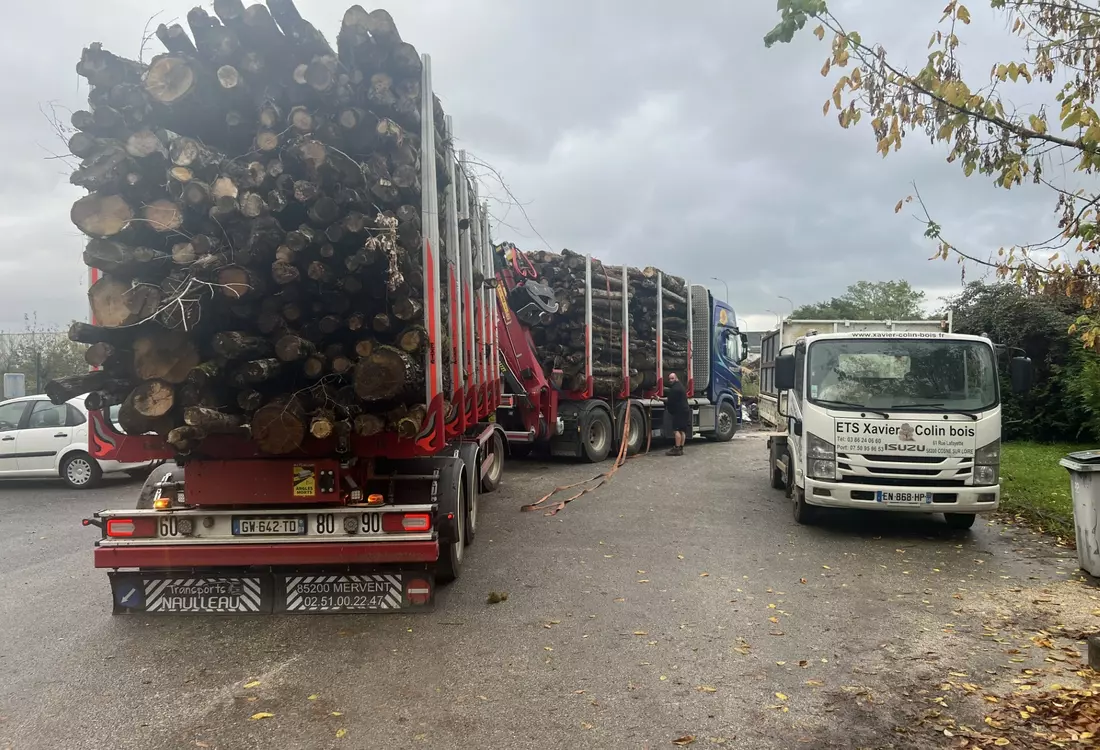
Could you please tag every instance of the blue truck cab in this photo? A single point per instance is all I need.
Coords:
(718, 348)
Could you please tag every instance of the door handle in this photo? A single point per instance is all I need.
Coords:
(62, 434)
(9, 438)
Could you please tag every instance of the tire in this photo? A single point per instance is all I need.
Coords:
(725, 423)
(495, 448)
(80, 471)
(596, 436)
(453, 552)
(960, 521)
(636, 432)
(804, 513)
(778, 482)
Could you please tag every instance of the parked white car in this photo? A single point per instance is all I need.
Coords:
(40, 439)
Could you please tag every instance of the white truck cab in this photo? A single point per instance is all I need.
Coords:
(891, 420)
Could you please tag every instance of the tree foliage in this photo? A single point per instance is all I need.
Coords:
(40, 354)
(971, 116)
(1064, 405)
(869, 300)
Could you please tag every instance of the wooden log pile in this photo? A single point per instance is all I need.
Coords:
(562, 344)
(254, 207)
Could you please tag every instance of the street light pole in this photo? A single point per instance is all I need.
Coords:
(788, 302)
(727, 286)
(777, 317)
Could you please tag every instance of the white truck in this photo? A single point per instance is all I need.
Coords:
(904, 420)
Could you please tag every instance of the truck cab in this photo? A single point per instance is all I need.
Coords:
(895, 421)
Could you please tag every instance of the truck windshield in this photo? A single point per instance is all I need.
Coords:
(915, 374)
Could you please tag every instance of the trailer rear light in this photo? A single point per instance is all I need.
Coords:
(401, 523)
(418, 591)
(162, 503)
(375, 499)
(131, 527)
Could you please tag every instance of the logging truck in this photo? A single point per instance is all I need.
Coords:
(296, 513)
(579, 382)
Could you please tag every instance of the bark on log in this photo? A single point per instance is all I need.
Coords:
(211, 420)
(61, 390)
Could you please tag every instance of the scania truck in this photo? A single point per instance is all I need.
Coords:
(891, 420)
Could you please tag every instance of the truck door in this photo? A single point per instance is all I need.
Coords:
(795, 407)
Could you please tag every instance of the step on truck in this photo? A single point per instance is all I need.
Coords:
(346, 523)
(894, 420)
(535, 410)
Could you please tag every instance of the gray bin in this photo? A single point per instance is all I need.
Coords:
(1084, 478)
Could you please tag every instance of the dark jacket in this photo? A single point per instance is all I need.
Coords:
(677, 400)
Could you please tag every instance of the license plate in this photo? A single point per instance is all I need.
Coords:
(904, 498)
(349, 593)
(277, 526)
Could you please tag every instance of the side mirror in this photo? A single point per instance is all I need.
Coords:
(744, 346)
(1020, 372)
(784, 372)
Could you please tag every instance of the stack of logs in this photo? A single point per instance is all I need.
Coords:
(254, 207)
(561, 345)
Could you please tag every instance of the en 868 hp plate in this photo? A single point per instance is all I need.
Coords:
(354, 593)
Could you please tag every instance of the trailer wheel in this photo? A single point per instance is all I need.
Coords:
(494, 447)
(452, 552)
(725, 426)
(635, 434)
(596, 436)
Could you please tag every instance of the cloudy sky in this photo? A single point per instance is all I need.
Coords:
(625, 128)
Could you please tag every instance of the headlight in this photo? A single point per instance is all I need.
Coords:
(821, 469)
(986, 474)
(818, 448)
(987, 464)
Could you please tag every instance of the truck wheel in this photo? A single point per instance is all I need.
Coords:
(778, 482)
(960, 521)
(725, 423)
(494, 447)
(804, 513)
(635, 434)
(452, 552)
(80, 471)
(596, 436)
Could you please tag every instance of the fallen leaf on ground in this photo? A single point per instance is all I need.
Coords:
(336, 713)
(640, 632)
(773, 620)
(340, 733)
(826, 567)
(252, 684)
(313, 697)
(684, 741)
(679, 557)
(803, 663)
(496, 597)
(780, 663)
(707, 689)
(586, 725)
(781, 696)
(802, 580)
(814, 683)
(704, 575)
(261, 715)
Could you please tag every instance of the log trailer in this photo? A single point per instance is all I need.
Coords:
(535, 411)
(346, 523)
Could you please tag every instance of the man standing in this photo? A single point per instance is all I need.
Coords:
(679, 411)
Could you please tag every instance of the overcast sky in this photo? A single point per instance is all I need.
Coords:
(641, 131)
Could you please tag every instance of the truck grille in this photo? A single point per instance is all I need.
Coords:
(934, 471)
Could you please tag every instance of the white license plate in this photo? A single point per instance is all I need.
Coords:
(286, 525)
(904, 498)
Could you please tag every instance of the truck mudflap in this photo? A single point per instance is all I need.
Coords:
(265, 592)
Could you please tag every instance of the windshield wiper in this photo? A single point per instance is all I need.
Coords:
(850, 405)
(899, 407)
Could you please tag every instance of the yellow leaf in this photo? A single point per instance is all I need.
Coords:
(684, 741)
(261, 715)
(771, 606)
(313, 697)
(586, 725)
(640, 632)
(819, 32)
(252, 684)
(679, 557)
(340, 733)
(773, 620)
(704, 575)
(707, 689)
(963, 14)
(780, 663)
(781, 696)
(826, 567)
(826, 68)
(825, 108)
(814, 683)
(664, 677)
(991, 699)
(1001, 742)
(336, 713)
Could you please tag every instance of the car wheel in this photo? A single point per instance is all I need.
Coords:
(961, 521)
(80, 471)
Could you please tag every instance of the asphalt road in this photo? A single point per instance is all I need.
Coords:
(679, 601)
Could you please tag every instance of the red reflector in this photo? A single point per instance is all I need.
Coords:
(402, 523)
(418, 591)
(131, 527)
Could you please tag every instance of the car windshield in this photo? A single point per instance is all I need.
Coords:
(915, 374)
